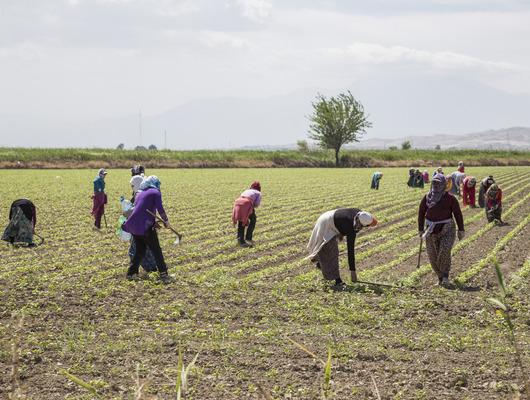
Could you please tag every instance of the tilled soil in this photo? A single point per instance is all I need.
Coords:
(81, 316)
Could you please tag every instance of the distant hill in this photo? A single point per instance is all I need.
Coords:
(421, 106)
(516, 138)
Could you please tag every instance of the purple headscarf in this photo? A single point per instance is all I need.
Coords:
(437, 190)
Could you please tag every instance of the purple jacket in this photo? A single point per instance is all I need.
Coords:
(140, 220)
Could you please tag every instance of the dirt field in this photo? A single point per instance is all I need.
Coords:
(66, 306)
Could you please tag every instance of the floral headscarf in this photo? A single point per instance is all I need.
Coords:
(150, 182)
(437, 190)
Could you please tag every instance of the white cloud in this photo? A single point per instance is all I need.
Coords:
(223, 39)
(255, 10)
(372, 53)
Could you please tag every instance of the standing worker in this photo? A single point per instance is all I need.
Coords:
(437, 209)
(329, 229)
(468, 191)
(148, 262)
(494, 204)
(99, 198)
(484, 186)
(461, 167)
(438, 170)
(376, 178)
(244, 214)
(142, 226)
(138, 176)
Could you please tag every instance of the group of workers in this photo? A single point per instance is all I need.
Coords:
(439, 216)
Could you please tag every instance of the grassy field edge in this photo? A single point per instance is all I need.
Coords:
(27, 158)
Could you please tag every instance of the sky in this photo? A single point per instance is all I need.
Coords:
(74, 62)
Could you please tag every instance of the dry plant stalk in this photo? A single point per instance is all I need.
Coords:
(16, 391)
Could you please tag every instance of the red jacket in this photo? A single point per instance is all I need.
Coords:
(495, 202)
(468, 193)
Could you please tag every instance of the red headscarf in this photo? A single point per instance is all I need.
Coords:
(256, 186)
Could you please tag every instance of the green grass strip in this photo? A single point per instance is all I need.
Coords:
(476, 268)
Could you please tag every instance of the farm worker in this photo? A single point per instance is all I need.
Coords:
(439, 170)
(99, 198)
(148, 262)
(484, 186)
(468, 191)
(461, 167)
(494, 204)
(138, 175)
(456, 180)
(141, 225)
(410, 182)
(437, 209)
(323, 245)
(244, 214)
(425, 176)
(376, 178)
(418, 179)
(22, 221)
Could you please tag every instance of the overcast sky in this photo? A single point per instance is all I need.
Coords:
(84, 60)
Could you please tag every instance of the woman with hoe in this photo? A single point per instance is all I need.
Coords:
(330, 228)
(141, 225)
(437, 209)
(99, 198)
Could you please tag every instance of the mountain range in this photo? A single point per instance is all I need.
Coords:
(428, 110)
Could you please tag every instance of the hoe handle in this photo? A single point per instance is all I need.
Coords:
(419, 253)
(161, 220)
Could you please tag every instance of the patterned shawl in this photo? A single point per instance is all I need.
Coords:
(437, 190)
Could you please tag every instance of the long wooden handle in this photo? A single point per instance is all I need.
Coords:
(161, 220)
(419, 253)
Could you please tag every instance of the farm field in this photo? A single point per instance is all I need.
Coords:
(66, 306)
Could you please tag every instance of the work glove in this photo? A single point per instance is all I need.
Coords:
(461, 235)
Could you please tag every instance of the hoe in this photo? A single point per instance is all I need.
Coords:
(179, 236)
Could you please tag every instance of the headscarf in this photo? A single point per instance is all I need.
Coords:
(256, 186)
(436, 191)
(136, 182)
(102, 172)
(471, 182)
(150, 182)
(492, 191)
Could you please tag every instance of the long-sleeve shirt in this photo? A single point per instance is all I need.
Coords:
(344, 219)
(446, 208)
(99, 184)
(140, 220)
(496, 201)
(254, 195)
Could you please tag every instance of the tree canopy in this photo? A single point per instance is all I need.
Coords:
(337, 121)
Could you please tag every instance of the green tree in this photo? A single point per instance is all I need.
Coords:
(302, 145)
(406, 145)
(337, 121)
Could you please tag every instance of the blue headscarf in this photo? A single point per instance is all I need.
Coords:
(150, 182)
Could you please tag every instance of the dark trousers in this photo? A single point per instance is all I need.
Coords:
(142, 243)
(98, 216)
(250, 229)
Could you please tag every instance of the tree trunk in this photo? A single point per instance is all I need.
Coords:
(337, 162)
